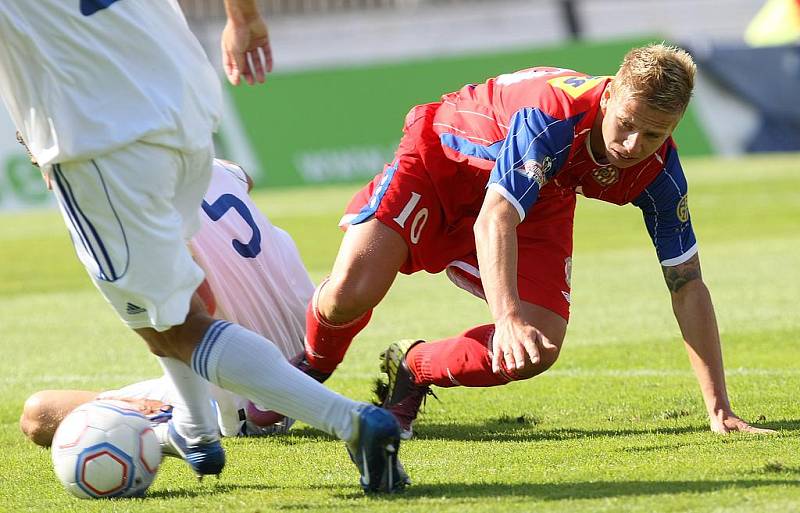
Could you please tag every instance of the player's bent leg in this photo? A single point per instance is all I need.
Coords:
(466, 360)
(44, 411)
(366, 266)
(552, 326)
(412, 366)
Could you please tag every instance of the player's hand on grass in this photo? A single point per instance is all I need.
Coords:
(724, 422)
(517, 344)
(246, 51)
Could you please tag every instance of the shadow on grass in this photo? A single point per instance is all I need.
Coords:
(496, 431)
(505, 430)
(539, 491)
(780, 425)
(578, 490)
(204, 490)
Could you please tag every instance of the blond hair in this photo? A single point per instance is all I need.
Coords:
(660, 74)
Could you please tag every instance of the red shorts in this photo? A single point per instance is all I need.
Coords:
(432, 202)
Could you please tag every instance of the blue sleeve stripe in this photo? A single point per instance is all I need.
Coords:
(524, 155)
(466, 147)
(510, 197)
(655, 220)
(689, 253)
(666, 215)
(370, 208)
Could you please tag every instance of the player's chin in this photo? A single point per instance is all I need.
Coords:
(622, 163)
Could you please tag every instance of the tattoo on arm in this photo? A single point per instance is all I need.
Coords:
(679, 275)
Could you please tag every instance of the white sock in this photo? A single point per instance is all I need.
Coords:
(250, 365)
(193, 413)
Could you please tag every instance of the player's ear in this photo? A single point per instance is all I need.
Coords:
(605, 97)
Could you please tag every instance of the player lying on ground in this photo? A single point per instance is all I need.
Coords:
(484, 185)
(125, 132)
(254, 277)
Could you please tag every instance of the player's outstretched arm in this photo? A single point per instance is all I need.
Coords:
(691, 303)
(246, 51)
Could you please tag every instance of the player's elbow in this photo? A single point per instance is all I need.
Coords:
(485, 222)
(33, 421)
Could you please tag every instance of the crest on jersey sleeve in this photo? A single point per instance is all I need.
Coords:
(537, 171)
(682, 209)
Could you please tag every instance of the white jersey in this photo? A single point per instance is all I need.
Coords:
(256, 276)
(255, 273)
(82, 78)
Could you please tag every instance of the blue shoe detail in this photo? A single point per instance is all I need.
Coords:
(374, 450)
(163, 415)
(205, 459)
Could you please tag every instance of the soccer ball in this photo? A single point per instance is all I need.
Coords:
(106, 449)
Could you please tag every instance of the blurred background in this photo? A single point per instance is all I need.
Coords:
(347, 71)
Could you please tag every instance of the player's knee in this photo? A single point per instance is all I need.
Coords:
(33, 421)
(346, 300)
(178, 341)
(547, 358)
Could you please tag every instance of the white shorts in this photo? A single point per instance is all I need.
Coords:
(130, 214)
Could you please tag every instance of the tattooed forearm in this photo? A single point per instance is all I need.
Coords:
(679, 275)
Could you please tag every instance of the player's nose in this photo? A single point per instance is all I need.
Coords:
(632, 143)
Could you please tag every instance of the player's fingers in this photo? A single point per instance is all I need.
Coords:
(532, 349)
(518, 351)
(760, 431)
(239, 65)
(227, 65)
(261, 65)
(495, 361)
(744, 427)
(266, 50)
(509, 359)
(249, 72)
(545, 343)
(231, 68)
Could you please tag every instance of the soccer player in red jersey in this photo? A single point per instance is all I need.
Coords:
(484, 185)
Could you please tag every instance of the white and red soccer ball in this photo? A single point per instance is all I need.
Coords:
(106, 449)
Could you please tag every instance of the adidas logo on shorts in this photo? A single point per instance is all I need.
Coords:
(134, 309)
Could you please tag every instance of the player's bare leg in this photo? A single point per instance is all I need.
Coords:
(44, 411)
(366, 266)
(368, 262)
(465, 360)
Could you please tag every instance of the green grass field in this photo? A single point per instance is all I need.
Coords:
(617, 425)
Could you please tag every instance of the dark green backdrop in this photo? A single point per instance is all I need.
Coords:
(340, 125)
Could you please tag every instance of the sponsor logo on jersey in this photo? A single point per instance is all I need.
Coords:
(575, 85)
(606, 176)
(683, 209)
(537, 171)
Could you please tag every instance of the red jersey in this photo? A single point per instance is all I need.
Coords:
(527, 133)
